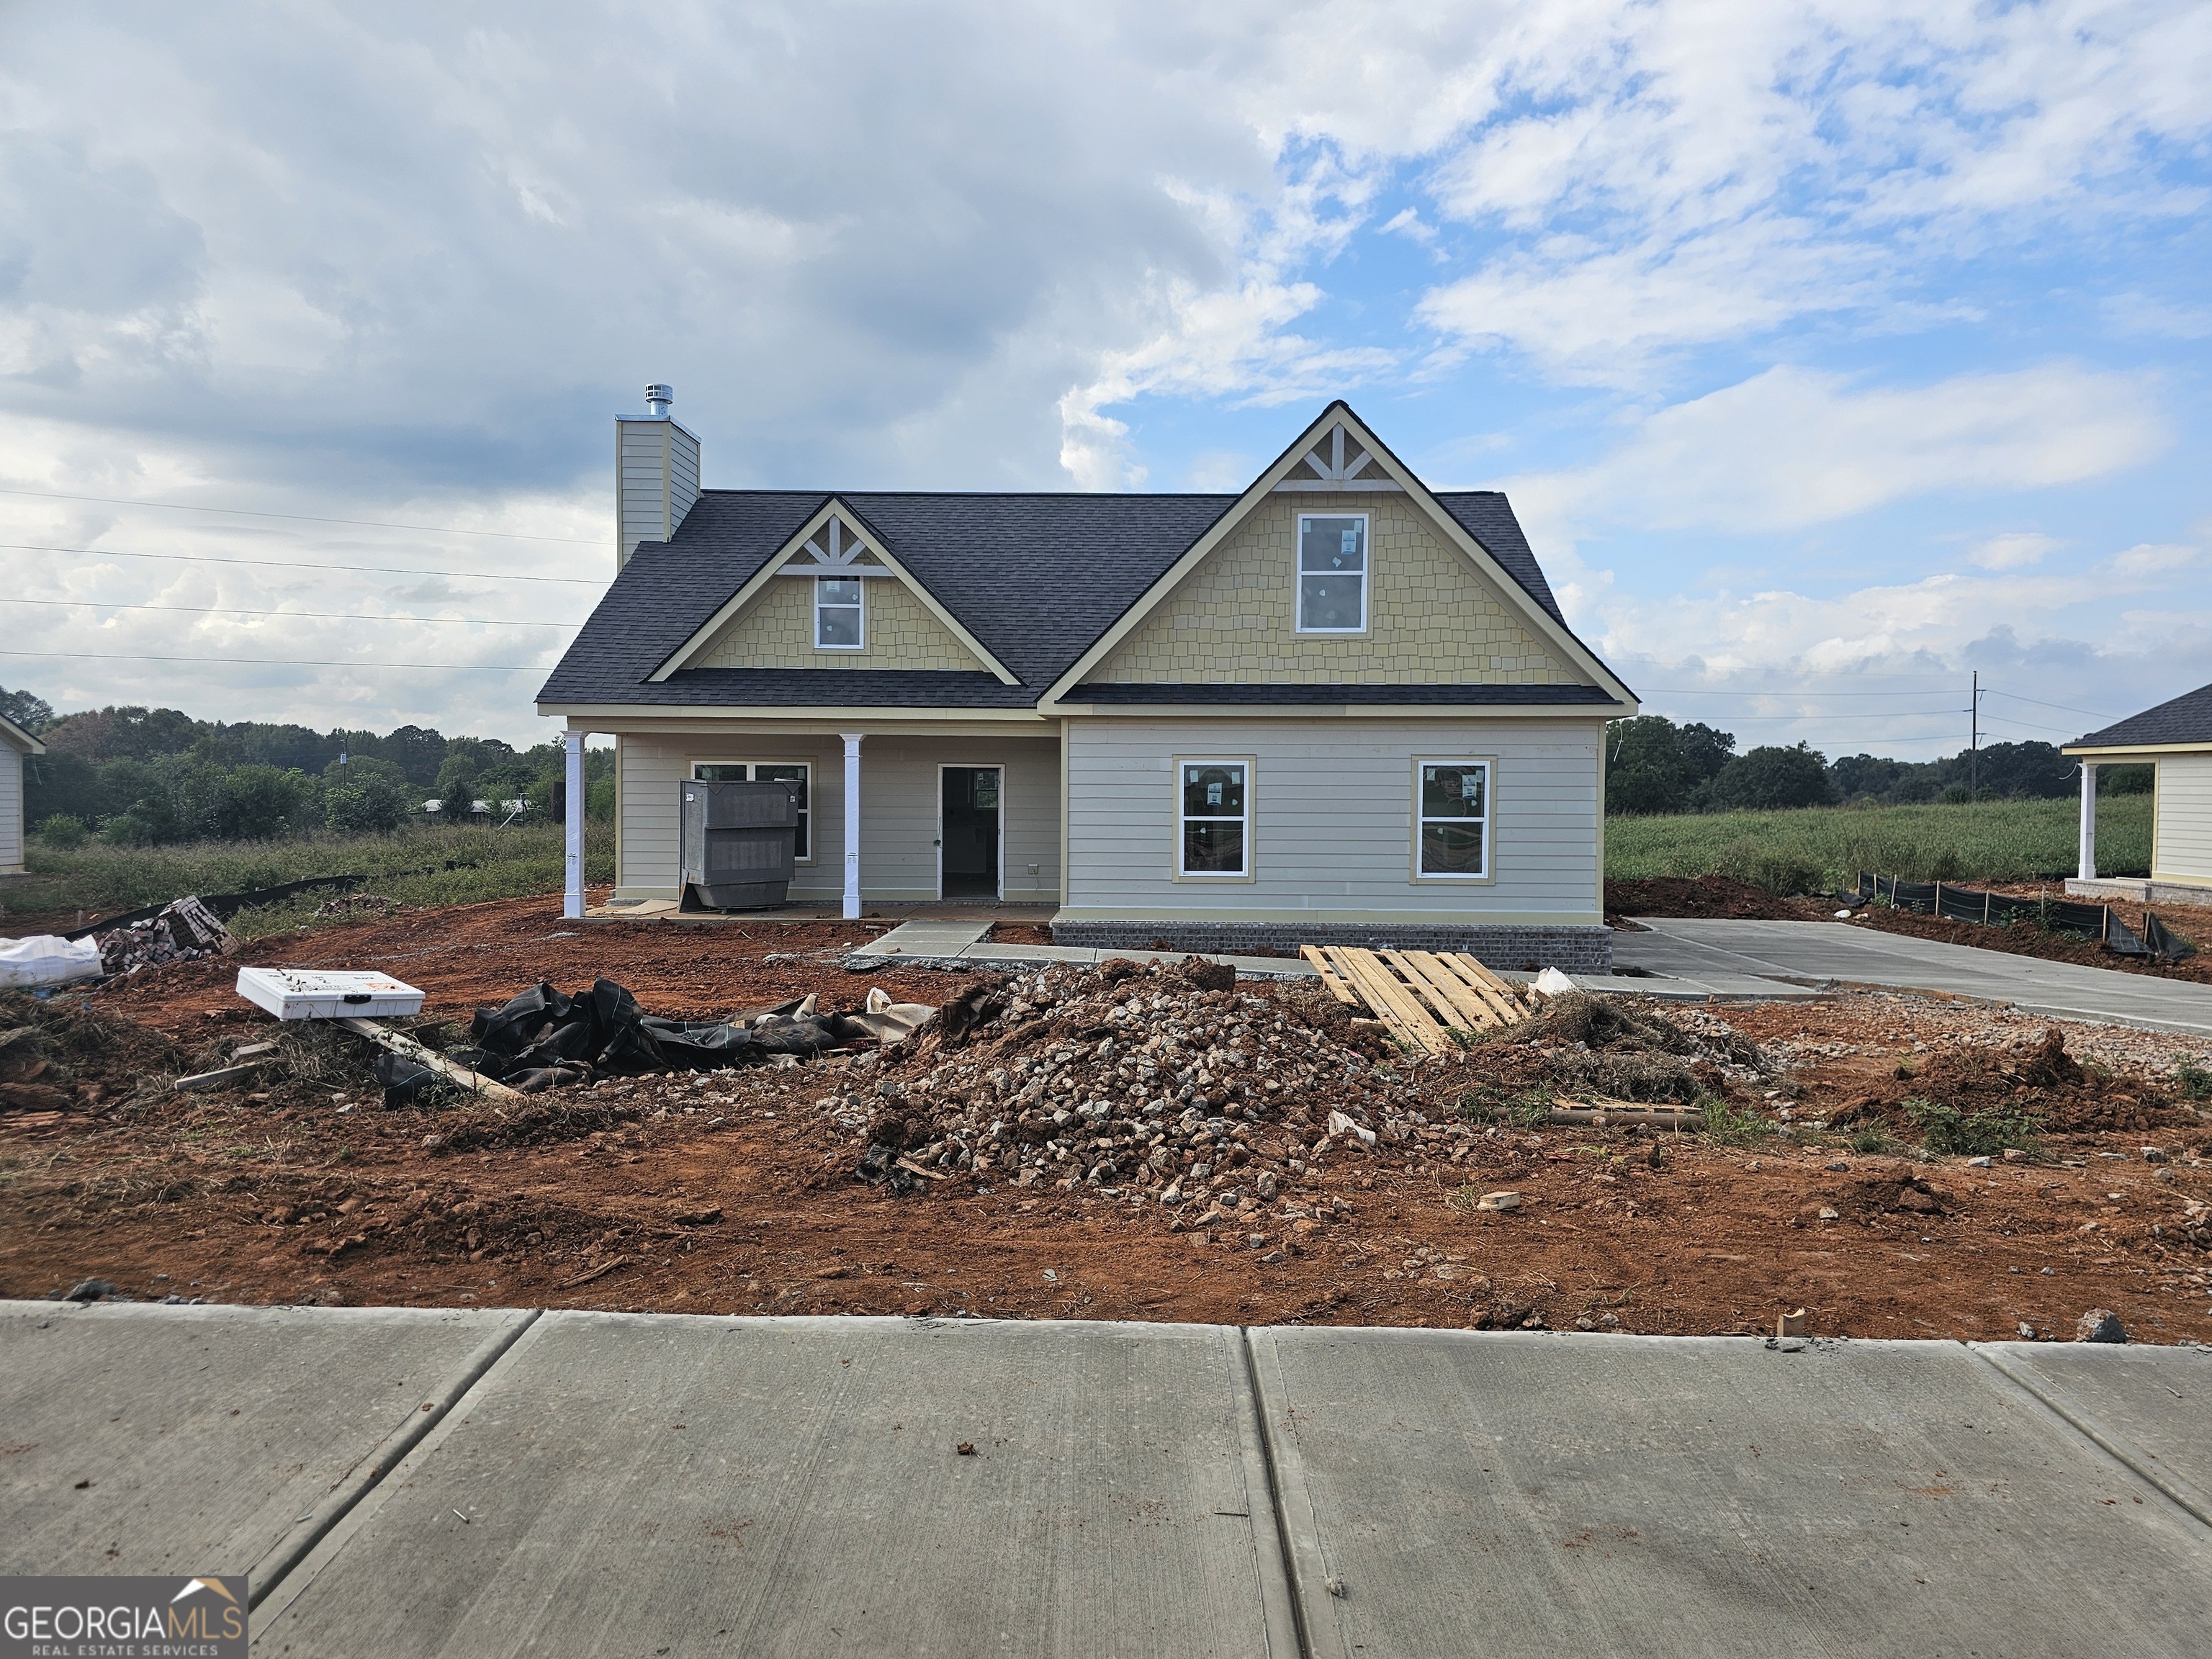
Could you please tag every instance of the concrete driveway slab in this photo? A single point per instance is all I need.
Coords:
(1499, 1494)
(152, 1439)
(2148, 1406)
(1699, 947)
(635, 1484)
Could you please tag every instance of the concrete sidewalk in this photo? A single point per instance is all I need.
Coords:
(614, 1483)
(1824, 953)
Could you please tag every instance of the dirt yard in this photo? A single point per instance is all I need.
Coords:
(735, 1192)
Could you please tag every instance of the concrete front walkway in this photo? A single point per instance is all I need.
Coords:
(417, 1482)
(1822, 952)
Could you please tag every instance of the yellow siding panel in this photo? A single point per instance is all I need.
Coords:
(1431, 618)
(776, 630)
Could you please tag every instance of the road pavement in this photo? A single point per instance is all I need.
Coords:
(601, 1484)
(1694, 949)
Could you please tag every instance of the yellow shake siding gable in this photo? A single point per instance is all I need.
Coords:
(776, 630)
(1431, 618)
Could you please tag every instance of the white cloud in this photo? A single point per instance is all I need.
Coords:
(1793, 446)
(2015, 550)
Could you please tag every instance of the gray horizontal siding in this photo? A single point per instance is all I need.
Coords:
(1333, 815)
(2184, 804)
(898, 809)
(11, 809)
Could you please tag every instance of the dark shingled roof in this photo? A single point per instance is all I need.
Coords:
(2187, 718)
(1114, 691)
(1037, 579)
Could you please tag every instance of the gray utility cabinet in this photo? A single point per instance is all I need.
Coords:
(736, 843)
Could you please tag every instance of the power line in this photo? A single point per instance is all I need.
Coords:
(1685, 691)
(2095, 714)
(295, 564)
(328, 616)
(305, 518)
(290, 662)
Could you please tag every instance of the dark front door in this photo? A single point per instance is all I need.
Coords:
(969, 831)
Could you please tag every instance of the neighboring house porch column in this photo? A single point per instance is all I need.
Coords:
(851, 824)
(2088, 821)
(571, 903)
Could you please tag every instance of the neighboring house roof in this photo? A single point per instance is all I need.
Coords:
(2187, 718)
(18, 739)
(1037, 579)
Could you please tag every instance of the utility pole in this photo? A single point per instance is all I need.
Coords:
(1974, 741)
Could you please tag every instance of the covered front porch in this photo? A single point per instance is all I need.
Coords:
(892, 813)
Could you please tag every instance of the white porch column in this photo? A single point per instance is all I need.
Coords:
(571, 903)
(851, 824)
(2088, 821)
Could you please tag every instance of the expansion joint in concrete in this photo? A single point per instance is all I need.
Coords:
(270, 1572)
(2180, 1492)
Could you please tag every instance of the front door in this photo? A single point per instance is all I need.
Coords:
(967, 832)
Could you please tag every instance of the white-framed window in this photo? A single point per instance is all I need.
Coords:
(1451, 820)
(799, 772)
(1332, 573)
(1213, 818)
(839, 623)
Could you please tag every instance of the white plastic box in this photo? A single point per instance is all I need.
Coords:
(313, 994)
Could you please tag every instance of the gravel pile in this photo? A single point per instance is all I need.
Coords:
(1143, 1084)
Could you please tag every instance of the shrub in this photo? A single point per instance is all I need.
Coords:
(1947, 1131)
(63, 831)
(2193, 1080)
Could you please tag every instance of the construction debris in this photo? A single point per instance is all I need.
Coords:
(1427, 999)
(183, 930)
(1126, 1078)
(47, 959)
(543, 1039)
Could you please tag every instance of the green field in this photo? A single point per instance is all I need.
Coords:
(1825, 848)
(409, 865)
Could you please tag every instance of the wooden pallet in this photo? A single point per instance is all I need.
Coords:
(1422, 997)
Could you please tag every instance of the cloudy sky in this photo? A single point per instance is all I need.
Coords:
(1829, 351)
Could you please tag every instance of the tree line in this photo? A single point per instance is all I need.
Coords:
(1654, 766)
(136, 777)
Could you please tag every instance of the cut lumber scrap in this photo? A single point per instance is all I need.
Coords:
(228, 1074)
(1391, 1002)
(1452, 1001)
(399, 1044)
(1329, 977)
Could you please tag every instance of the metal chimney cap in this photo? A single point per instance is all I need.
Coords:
(657, 399)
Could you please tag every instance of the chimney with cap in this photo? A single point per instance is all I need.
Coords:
(656, 474)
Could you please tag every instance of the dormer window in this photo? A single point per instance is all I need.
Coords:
(837, 622)
(1332, 574)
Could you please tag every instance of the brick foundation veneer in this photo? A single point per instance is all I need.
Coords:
(1571, 949)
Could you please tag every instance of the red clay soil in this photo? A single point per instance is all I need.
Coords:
(1020, 932)
(2025, 939)
(723, 1193)
(1703, 896)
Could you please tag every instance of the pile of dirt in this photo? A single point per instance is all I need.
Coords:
(1165, 1082)
(2013, 1095)
(1700, 896)
(1601, 1046)
(56, 1055)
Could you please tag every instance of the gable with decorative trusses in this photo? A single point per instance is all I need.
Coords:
(1337, 460)
(833, 598)
(1429, 616)
(1338, 567)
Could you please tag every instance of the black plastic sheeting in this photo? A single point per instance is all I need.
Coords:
(2093, 922)
(543, 1038)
